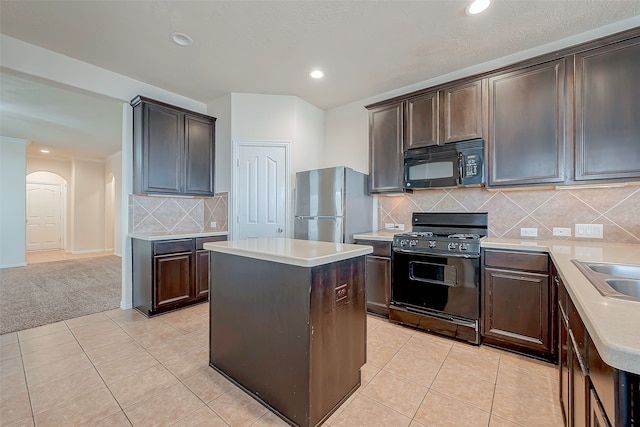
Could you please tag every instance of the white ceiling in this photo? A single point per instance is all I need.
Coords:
(67, 122)
(365, 48)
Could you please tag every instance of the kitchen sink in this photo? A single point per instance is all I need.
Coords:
(619, 281)
(618, 270)
(625, 286)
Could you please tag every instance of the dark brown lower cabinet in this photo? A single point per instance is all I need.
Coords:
(597, 416)
(579, 395)
(173, 279)
(591, 393)
(170, 274)
(516, 311)
(202, 273)
(378, 277)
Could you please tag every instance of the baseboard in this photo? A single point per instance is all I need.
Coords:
(13, 265)
(90, 251)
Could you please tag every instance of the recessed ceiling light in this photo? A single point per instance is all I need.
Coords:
(477, 6)
(316, 74)
(44, 150)
(181, 39)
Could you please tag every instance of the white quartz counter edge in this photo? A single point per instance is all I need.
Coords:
(302, 253)
(612, 324)
(176, 235)
(381, 235)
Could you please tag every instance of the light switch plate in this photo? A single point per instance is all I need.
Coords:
(589, 231)
(213, 224)
(529, 232)
(389, 226)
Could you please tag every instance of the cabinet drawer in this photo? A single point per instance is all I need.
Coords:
(172, 246)
(578, 330)
(200, 241)
(380, 248)
(517, 260)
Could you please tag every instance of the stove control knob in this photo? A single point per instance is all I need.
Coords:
(452, 246)
(464, 246)
(403, 242)
(413, 242)
(432, 244)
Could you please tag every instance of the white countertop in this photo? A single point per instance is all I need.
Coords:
(167, 235)
(613, 325)
(302, 253)
(381, 235)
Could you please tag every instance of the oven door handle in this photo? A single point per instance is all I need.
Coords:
(433, 282)
(448, 254)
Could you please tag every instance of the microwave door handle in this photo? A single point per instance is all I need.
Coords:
(460, 168)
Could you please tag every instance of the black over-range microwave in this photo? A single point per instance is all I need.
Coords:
(457, 164)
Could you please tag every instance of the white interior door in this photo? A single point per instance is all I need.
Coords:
(44, 217)
(262, 188)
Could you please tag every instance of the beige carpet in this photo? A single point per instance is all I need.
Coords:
(40, 294)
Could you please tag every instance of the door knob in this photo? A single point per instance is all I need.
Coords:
(280, 230)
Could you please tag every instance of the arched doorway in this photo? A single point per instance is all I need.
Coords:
(46, 211)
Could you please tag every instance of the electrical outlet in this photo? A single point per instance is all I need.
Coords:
(389, 226)
(560, 231)
(213, 224)
(398, 226)
(589, 231)
(529, 232)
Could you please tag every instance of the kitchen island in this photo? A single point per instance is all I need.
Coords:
(288, 322)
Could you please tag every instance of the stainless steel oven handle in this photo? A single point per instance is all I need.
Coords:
(444, 255)
(433, 282)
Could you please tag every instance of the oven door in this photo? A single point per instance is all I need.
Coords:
(439, 284)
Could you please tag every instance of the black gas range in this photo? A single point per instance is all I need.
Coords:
(436, 274)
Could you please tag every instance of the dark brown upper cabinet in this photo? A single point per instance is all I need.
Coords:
(526, 139)
(174, 149)
(608, 112)
(461, 112)
(423, 127)
(448, 115)
(386, 162)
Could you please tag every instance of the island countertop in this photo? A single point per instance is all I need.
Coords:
(303, 253)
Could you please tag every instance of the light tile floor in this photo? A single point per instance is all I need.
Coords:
(35, 257)
(119, 369)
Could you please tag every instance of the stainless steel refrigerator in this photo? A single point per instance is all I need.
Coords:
(332, 205)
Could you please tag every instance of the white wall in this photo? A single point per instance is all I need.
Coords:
(221, 110)
(60, 69)
(347, 137)
(13, 189)
(88, 206)
(113, 167)
(280, 118)
(308, 136)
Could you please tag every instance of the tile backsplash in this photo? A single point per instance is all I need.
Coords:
(617, 208)
(165, 213)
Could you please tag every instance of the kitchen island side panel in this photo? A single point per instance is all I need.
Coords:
(338, 338)
(142, 275)
(293, 337)
(259, 333)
